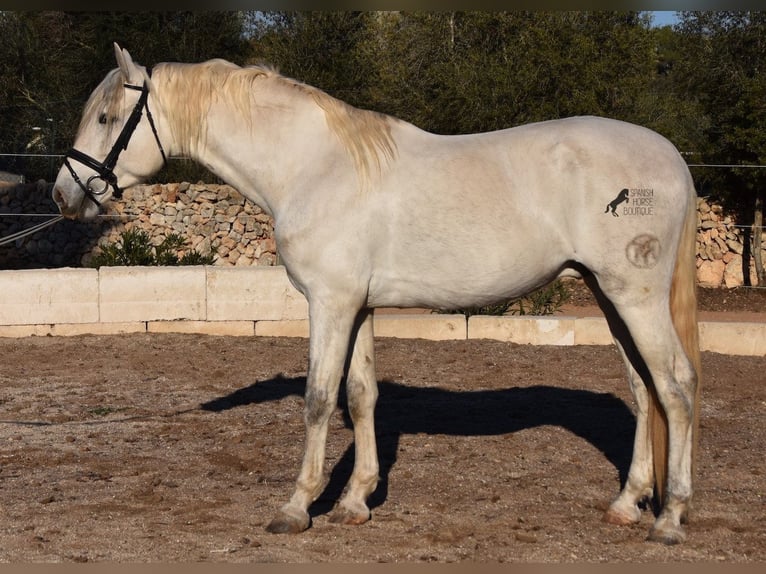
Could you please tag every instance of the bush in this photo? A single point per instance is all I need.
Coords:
(544, 301)
(135, 248)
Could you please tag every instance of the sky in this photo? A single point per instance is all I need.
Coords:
(664, 18)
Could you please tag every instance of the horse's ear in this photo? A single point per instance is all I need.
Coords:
(124, 62)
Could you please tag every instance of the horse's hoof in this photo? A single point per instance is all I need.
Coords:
(343, 515)
(285, 523)
(667, 535)
(620, 517)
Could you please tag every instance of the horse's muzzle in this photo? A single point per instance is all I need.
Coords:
(69, 206)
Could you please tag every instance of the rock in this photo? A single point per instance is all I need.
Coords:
(732, 276)
(207, 196)
(735, 246)
(269, 245)
(710, 273)
(157, 219)
(204, 246)
(714, 251)
(233, 256)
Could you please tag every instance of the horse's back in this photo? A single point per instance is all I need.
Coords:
(563, 167)
(500, 213)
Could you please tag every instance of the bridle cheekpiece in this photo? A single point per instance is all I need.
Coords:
(97, 185)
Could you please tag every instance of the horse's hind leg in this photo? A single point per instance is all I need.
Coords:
(659, 357)
(362, 392)
(640, 481)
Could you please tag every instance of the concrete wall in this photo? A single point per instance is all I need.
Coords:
(260, 301)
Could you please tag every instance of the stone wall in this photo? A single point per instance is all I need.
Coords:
(211, 217)
(217, 217)
(721, 253)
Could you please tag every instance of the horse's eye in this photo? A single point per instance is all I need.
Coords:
(102, 119)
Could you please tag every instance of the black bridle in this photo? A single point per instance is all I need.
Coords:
(97, 185)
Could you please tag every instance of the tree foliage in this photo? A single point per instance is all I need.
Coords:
(725, 69)
(447, 72)
(51, 61)
(701, 83)
(458, 72)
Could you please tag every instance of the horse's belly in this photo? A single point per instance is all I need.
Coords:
(451, 285)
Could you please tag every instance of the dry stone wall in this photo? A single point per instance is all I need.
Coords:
(210, 217)
(218, 218)
(721, 253)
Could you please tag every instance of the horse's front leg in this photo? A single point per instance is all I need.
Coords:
(362, 391)
(330, 330)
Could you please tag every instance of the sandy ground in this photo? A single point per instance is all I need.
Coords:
(179, 448)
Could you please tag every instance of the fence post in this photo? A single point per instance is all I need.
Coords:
(757, 234)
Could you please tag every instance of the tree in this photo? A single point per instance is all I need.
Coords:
(29, 93)
(726, 71)
(671, 106)
(323, 49)
(51, 61)
(458, 72)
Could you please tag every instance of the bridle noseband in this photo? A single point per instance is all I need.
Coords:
(97, 185)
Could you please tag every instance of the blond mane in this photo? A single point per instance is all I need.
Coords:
(365, 135)
(192, 88)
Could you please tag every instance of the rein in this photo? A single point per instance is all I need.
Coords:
(97, 185)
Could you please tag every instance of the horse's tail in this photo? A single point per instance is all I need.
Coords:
(683, 310)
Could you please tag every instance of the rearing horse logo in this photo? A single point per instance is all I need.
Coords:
(621, 198)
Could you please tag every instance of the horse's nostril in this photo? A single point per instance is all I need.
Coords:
(61, 202)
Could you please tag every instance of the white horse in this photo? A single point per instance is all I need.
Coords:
(371, 211)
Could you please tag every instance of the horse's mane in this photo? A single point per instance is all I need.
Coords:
(192, 88)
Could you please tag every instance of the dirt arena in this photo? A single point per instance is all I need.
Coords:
(180, 448)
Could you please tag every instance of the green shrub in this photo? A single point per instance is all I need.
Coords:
(135, 248)
(544, 301)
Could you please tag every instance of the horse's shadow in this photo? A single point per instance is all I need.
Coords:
(602, 419)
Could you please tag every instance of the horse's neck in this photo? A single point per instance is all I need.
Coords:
(263, 155)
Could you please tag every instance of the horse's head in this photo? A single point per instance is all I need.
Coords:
(117, 144)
